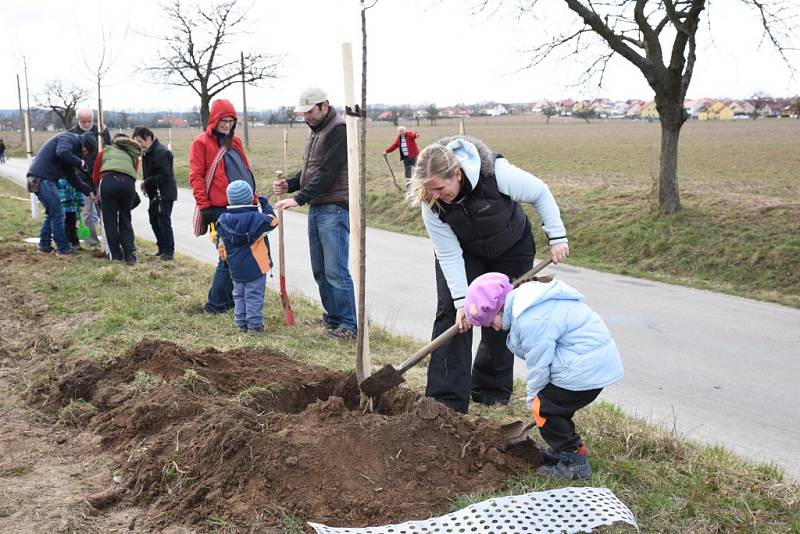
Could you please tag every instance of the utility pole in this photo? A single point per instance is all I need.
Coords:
(244, 105)
(28, 133)
(21, 113)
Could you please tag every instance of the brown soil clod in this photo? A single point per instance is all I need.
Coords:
(105, 498)
(385, 379)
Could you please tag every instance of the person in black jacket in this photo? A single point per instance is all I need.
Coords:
(85, 119)
(63, 156)
(159, 186)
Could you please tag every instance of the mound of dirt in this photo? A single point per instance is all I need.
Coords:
(252, 436)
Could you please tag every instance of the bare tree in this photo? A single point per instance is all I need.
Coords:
(62, 99)
(98, 68)
(639, 31)
(433, 113)
(549, 111)
(758, 100)
(194, 46)
(796, 106)
(585, 113)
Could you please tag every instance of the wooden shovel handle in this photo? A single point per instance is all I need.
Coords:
(444, 337)
(533, 272)
(282, 263)
(281, 246)
(437, 342)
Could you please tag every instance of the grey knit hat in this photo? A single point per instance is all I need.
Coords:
(239, 193)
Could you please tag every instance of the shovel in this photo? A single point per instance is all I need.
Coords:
(288, 314)
(389, 377)
(386, 158)
(516, 432)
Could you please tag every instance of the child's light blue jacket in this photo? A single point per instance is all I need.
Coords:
(560, 338)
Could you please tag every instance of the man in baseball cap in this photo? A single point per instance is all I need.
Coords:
(310, 97)
(322, 184)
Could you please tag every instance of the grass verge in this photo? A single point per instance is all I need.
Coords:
(671, 484)
(738, 232)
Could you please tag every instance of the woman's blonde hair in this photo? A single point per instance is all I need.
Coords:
(434, 161)
(438, 161)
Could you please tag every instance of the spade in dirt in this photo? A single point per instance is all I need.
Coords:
(516, 432)
(389, 376)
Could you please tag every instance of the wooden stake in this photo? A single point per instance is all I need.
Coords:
(28, 143)
(357, 249)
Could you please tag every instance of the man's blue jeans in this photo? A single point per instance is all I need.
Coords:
(53, 225)
(220, 295)
(328, 238)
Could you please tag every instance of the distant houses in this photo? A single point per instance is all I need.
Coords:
(494, 110)
(172, 122)
(704, 109)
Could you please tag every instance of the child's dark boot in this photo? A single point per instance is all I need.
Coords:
(570, 466)
(549, 456)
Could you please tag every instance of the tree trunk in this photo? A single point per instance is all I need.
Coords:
(668, 198)
(204, 110)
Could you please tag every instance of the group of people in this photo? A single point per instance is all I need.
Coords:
(217, 161)
(471, 205)
(81, 182)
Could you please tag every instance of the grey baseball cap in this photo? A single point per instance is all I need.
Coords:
(309, 98)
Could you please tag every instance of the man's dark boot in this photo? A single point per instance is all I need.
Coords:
(570, 466)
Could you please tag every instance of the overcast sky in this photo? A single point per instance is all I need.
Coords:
(419, 52)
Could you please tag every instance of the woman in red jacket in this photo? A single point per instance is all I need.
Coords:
(217, 158)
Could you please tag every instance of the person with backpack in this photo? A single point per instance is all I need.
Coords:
(217, 158)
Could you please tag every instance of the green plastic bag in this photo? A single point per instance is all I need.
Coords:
(82, 230)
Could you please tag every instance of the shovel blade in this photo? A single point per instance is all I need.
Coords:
(516, 432)
(382, 381)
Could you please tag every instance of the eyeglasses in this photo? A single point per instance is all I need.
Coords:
(227, 121)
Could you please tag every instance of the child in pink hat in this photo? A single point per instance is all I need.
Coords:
(569, 353)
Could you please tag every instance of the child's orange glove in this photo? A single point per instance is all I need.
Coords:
(535, 407)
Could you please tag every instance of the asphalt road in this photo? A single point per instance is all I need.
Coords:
(719, 369)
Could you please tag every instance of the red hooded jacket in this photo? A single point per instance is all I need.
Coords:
(201, 155)
(413, 149)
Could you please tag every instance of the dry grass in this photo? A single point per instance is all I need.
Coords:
(671, 484)
(738, 182)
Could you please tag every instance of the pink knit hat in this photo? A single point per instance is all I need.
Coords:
(485, 296)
